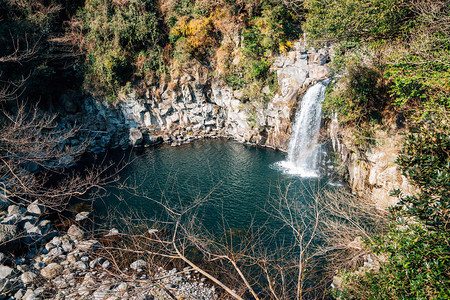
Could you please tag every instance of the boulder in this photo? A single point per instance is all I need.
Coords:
(51, 271)
(75, 233)
(135, 136)
(6, 272)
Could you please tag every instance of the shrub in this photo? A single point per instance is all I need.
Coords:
(359, 97)
(356, 20)
(417, 267)
(122, 40)
(425, 159)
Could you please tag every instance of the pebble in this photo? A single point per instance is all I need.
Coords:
(106, 264)
(75, 233)
(138, 265)
(51, 271)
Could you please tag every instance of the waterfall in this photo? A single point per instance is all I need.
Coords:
(303, 152)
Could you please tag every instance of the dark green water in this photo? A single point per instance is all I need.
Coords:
(239, 183)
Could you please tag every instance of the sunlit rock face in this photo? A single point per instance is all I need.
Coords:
(372, 171)
(197, 108)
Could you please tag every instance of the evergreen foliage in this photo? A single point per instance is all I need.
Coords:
(122, 42)
(394, 55)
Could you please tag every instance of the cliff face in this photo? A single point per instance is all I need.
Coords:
(372, 171)
(208, 108)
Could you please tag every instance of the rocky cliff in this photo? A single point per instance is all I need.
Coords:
(371, 168)
(197, 108)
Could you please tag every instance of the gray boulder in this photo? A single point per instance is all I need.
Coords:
(6, 272)
(136, 137)
(35, 209)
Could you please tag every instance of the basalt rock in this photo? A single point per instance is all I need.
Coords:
(208, 108)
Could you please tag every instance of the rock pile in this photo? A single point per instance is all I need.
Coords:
(54, 266)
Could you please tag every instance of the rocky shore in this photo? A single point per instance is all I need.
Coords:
(39, 262)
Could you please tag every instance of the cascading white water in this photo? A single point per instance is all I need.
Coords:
(303, 154)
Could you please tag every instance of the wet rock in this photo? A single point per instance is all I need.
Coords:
(31, 167)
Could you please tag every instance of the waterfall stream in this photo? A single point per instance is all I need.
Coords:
(303, 150)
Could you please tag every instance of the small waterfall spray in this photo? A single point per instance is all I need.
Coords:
(303, 152)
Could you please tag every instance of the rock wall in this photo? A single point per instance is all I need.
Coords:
(207, 108)
(372, 171)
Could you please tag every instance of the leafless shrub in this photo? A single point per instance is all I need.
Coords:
(32, 150)
(254, 261)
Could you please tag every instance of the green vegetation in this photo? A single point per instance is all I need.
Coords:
(417, 267)
(122, 42)
(394, 56)
(236, 39)
(111, 46)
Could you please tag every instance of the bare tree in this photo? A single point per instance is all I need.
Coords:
(256, 261)
(32, 150)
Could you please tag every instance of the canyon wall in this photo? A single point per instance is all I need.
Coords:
(371, 168)
(198, 108)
